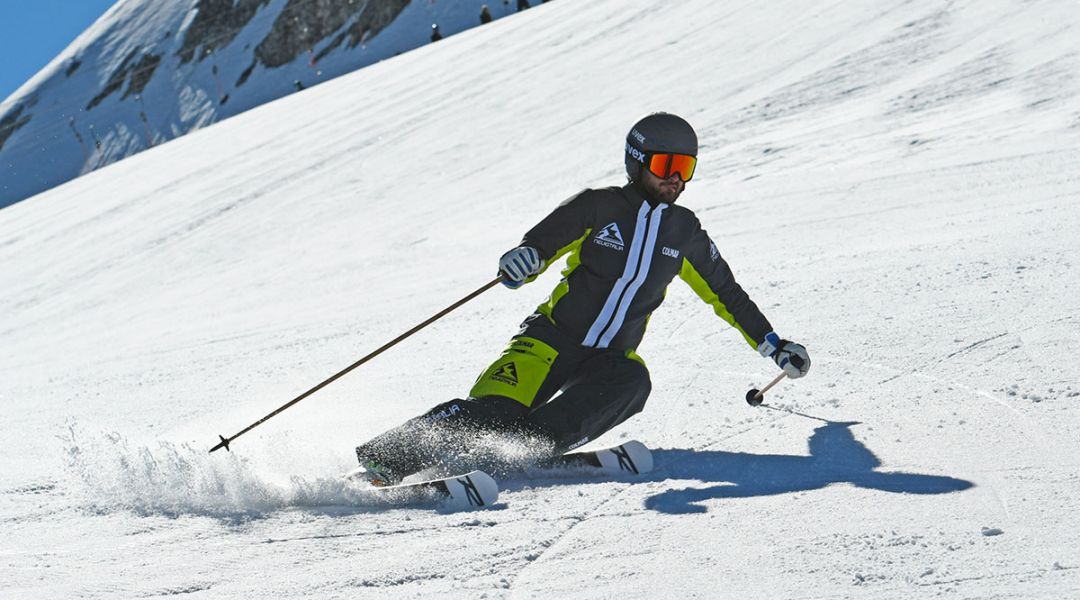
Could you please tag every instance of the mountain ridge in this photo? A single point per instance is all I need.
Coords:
(149, 71)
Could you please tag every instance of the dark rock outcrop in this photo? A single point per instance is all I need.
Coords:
(301, 26)
(247, 73)
(11, 122)
(140, 74)
(305, 23)
(216, 24)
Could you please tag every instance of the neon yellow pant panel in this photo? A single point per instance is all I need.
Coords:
(518, 372)
(634, 357)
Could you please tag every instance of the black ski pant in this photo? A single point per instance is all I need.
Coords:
(581, 394)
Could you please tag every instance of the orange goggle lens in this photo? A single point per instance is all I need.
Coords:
(666, 165)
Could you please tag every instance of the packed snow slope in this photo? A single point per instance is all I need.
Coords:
(149, 71)
(893, 182)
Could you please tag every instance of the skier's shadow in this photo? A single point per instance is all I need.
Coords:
(835, 457)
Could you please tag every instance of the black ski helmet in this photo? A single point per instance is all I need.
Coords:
(658, 132)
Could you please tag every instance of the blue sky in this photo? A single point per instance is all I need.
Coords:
(33, 32)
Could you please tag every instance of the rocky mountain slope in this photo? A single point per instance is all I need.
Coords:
(149, 71)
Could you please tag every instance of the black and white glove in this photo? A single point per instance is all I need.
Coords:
(788, 355)
(518, 265)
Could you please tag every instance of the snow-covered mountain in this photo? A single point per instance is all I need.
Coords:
(893, 182)
(149, 71)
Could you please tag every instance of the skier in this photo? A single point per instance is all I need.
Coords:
(572, 373)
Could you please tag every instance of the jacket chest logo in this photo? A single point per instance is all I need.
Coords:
(610, 237)
(673, 253)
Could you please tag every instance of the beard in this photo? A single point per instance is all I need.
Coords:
(668, 192)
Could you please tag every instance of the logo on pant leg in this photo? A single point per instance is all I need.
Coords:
(579, 443)
(445, 413)
(506, 373)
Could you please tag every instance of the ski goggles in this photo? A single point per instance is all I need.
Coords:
(665, 165)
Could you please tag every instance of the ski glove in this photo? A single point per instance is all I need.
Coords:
(518, 265)
(788, 355)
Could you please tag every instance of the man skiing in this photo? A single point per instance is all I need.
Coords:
(571, 373)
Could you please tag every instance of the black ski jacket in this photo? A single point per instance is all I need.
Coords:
(623, 253)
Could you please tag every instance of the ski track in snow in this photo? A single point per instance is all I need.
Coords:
(894, 184)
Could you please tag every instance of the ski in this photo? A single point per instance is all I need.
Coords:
(475, 489)
(630, 458)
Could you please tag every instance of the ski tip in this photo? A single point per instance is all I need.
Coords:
(628, 458)
(640, 454)
(356, 474)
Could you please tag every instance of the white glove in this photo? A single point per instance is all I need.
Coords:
(518, 265)
(788, 355)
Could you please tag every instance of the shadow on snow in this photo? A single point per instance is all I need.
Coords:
(835, 457)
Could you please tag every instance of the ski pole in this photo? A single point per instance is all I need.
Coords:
(755, 397)
(224, 443)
